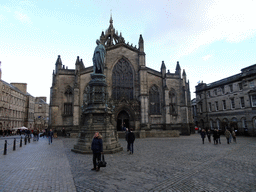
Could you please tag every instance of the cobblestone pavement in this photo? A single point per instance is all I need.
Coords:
(158, 164)
(36, 166)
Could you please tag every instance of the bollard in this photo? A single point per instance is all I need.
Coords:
(14, 144)
(25, 141)
(5, 147)
(20, 141)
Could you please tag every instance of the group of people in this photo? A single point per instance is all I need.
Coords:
(216, 136)
(5, 132)
(229, 135)
(97, 146)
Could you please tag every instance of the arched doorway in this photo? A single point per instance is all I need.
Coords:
(224, 124)
(123, 120)
(233, 125)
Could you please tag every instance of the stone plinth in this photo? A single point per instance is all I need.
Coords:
(97, 117)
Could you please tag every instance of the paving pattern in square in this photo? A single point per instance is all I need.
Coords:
(158, 164)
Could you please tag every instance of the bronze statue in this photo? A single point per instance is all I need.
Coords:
(99, 58)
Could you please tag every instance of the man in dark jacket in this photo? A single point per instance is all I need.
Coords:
(203, 133)
(97, 149)
(215, 136)
(130, 140)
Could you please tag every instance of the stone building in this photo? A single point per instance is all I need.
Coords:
(12, 106)
(229, 102)
(41, 113)
(16, 106)
(144, 99)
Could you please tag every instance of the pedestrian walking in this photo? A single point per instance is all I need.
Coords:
(126, 137)
(215, 137)
(34, 135)
(227, 135)
(131, 139)
(50, 135)
(208, 133)
(218, 136)
(37, 134)
(234, 136)
(63, 132)
(97, 149)
(43, 133)
(203, 133)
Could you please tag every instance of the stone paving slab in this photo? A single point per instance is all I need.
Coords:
(158, 164)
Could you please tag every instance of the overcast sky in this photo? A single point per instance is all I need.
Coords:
(212, 39)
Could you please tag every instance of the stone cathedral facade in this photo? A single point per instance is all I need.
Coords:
(141, 98)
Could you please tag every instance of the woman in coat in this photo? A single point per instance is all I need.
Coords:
(97, 149)
(227, 134)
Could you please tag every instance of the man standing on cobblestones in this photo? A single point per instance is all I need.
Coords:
(130, 140)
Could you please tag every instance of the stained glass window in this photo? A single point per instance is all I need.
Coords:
(154, 100)
(122, 79)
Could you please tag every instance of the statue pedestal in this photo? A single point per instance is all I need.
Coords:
(97, 117)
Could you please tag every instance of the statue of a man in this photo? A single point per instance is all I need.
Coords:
(99, 58)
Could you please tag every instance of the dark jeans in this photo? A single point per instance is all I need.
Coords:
(96, 156)
(50, 139)
(203, 139)
(209, 138)
(130, 147)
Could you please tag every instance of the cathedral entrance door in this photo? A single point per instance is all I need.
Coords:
(122, 120)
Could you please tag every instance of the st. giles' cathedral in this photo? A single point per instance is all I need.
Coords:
(141, 98)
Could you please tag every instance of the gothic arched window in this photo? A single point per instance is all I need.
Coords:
(154, 100)
(122, 80)
(68, 104)
(173, 102)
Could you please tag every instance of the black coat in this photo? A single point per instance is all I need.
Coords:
(130, 137)
(215, 134)
(50, 133)
(203, 133)
(97, 145)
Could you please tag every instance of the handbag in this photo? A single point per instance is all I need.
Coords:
(102, 163)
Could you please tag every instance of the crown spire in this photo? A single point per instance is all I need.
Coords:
(111, 21)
